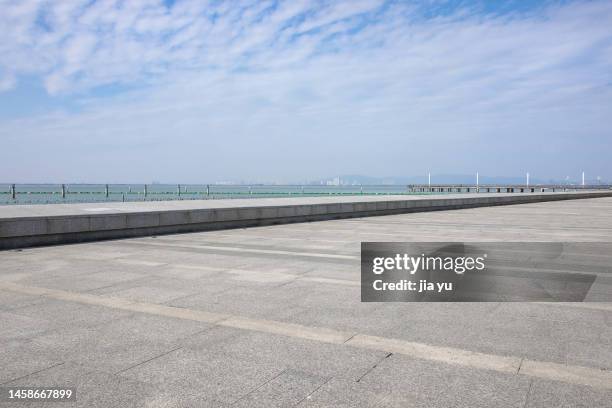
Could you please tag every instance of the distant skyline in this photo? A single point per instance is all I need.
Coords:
(194, 92)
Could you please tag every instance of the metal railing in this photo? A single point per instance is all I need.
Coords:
(73, 193)
(48, 193)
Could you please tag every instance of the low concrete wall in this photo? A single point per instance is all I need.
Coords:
(18, 232)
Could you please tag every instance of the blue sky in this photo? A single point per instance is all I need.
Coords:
(192, 91)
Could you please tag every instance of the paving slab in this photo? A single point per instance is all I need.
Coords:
(556, 394)
(93, 388)
(402, 381)
(22, 359)
(120, 344)
(289, 388)
(323, 360)
(52, 313)
(217, 376)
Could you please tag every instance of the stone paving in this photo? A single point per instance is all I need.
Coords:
(271, 316)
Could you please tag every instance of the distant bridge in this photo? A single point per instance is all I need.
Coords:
(503, 188)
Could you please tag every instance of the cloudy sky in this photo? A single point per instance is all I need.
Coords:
(192, 91)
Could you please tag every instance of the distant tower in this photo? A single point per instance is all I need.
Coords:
(527, 179)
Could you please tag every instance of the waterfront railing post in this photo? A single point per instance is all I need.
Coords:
(145, 191)
(13, 194)
(178, 189)
(207, 190)
(63, 191)
(106, 190)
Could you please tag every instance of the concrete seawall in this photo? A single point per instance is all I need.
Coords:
(33, 225)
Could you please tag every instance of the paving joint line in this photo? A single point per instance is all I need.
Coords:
(146, 361)
(313, 391)
(528, 394)
(369, 370)
(117, 284)
(251, 250)
(35, 372)
(259, 386)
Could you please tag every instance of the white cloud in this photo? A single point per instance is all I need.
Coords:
(7, 82)
(71, 42)
(331, 83)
